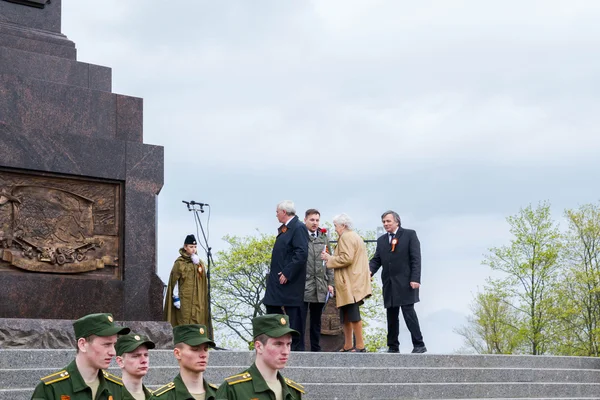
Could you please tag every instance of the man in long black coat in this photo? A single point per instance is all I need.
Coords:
(399, 253)
(285, 283)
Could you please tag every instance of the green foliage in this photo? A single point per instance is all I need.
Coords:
(239, 283)
(491, 329)
(530, 264)
(578, 295)
(548, 300)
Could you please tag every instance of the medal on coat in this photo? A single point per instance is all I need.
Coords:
(394, 241)
(199, 269)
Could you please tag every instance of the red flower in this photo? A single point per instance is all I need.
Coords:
(323, 230)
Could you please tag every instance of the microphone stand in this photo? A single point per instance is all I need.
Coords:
(198, 208)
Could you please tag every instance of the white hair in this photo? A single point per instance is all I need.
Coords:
(345, 220)
(287, 206)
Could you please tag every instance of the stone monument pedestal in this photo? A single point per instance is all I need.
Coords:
(78, 186)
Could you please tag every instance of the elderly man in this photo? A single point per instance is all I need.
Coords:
(399, 253)
(134, 361)
(287, 277)
(84, 378)
(319, 279)
(263, 381)
(191, 351)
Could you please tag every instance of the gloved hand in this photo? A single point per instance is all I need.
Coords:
(195, 259)
(176, 302)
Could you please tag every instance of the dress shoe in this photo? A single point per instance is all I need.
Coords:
(421, 349)
(393, 351)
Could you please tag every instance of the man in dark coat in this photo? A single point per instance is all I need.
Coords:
(285, 283)
(399, 253)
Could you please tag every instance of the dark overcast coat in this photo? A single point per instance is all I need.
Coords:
(400, 267)
(289, 257)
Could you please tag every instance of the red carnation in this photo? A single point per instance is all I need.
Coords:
(323, 230)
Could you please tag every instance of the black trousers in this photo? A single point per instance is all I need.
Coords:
(412, 323)
(295, 315)
(314, 310)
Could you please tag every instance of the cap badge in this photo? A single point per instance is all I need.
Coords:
(202, 331)
(110, 319)
(136, 337)
(282, 320)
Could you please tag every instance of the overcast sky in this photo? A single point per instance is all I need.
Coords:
(453, 113)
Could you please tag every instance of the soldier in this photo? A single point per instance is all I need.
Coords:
(191, 351)
(84, 378)
(263, 381)
(134, 361)
(187, 291)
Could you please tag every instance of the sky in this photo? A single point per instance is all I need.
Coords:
(454, 114)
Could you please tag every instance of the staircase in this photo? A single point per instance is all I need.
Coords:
(330, 376)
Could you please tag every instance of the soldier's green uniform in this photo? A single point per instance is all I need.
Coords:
(125, 395)
(127, 344)
(68, 384)
(250, 384)
(192, 335)
(176, 390)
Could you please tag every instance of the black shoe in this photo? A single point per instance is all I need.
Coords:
(420, 349)
(390, 350)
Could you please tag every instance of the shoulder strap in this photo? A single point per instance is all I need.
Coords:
(294, 385)
(239, 378)
(56, 377)
(164, 389)
(113, 378)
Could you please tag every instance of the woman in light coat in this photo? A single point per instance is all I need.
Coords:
(352, 280)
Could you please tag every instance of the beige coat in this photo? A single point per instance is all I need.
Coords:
(351, 269)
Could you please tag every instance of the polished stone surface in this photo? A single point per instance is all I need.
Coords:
(59, 117)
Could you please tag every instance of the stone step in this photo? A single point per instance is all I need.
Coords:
(59, 358)
(373, 391)
(357, 376)
(158, 375)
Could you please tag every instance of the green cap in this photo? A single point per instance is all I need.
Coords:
(193, 335)
(128, 343)
(97, 324)
(272, 325)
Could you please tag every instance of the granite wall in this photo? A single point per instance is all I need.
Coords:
(59, 118)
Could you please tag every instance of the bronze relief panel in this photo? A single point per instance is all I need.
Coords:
(59, 225)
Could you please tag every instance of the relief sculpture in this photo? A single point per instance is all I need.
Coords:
(58, 225)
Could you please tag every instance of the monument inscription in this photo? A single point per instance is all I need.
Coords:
(59, 225)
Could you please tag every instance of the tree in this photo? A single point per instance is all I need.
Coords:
(493, 326)
(579, 293)
(239, 283)
(530, 264)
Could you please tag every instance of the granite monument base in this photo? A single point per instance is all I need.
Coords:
(19, 333)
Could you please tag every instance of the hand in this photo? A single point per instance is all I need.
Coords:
(415, 285)
(176, 303)
(282, 279)
(325, 256)
(330, 288)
